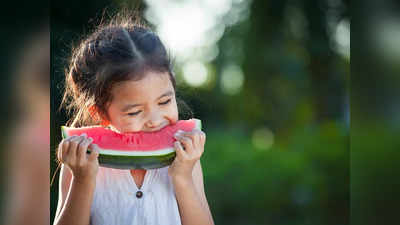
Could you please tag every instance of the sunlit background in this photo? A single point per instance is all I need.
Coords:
(269, 80)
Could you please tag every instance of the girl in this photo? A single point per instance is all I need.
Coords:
(121, 77)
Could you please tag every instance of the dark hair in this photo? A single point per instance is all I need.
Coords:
(118, 51)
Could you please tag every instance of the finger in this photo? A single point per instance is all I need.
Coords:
(94, 153)
(180, 153)
(72, 149)
(81, 152)
(190, 135)
(67, 156)
(80, 139)
(195, 135)
(187, 144)
(70, 137)
(202, 135)
(202, 140)
(198, 139)
(62, 150)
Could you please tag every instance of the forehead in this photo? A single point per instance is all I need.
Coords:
(150, 87)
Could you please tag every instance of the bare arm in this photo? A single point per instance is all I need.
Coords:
(63, 188)
(75, 199)
(192, 202)
(77, 181)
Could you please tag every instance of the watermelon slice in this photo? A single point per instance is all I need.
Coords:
(138, 150)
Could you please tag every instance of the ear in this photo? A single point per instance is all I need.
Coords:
(105, 123)
(94, 113)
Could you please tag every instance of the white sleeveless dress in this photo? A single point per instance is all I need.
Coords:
(116, 199)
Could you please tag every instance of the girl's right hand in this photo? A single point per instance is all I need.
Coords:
(72, 152)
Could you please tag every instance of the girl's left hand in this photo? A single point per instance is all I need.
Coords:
(189, 147)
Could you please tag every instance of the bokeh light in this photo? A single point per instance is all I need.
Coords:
(192, 29)
(232, 79)
(263, 138)
(195, 73)
(342, 38)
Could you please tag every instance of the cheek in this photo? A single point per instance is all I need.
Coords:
(174, 111)
(119, 121)
(130, 124)
(134, 126)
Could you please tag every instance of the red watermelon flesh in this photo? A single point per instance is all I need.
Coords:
(137, 149)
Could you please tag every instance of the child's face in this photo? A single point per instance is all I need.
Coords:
(146, 105)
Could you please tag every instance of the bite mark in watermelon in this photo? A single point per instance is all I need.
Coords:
(138, 150)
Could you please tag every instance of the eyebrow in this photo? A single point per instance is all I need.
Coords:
(130, 106)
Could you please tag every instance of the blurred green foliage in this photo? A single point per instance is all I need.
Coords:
(302, 181)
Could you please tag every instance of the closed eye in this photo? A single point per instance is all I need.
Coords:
(164, 103)
(134, 113)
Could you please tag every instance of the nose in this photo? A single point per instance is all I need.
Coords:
(154, 120)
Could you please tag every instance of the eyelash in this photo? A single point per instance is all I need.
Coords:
(134, 113)
(161, 103)
(164, 103)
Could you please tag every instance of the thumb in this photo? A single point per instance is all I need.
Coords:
(180, 153)
(94, 154)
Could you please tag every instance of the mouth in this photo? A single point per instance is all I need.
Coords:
(157, 128)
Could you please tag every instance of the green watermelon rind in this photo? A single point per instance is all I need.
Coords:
(136, 162)
(198, 124)
(136, 159)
